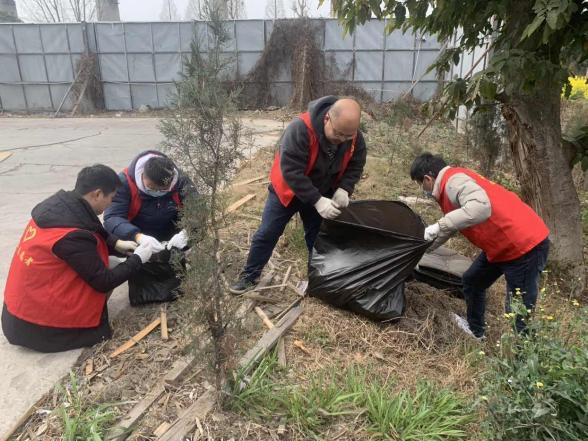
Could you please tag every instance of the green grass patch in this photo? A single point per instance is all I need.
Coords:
(426, 413)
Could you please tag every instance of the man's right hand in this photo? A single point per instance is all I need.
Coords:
(326, 208)
(144, 251)
(143, 239)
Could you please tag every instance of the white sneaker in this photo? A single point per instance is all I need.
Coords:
(462, 324)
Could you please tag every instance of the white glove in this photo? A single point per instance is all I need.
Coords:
(144, 251)
(326, 208)
(125, 246)
(179, 241)
(155, 245)
(431, 232)
(341, 198)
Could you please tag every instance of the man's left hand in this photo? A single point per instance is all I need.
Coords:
(341, 198)
(125, 247)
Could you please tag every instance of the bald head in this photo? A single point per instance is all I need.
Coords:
(342, 120)
(346, 112)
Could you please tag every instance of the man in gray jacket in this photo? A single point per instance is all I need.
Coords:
(513, 238)
(320, 159)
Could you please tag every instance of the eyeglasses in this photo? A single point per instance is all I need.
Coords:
(337, 133)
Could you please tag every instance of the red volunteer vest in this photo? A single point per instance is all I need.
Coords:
(43, 289)
(135, 205)
(513, 228)
(283, 191)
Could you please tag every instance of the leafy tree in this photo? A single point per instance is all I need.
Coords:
(533, 43)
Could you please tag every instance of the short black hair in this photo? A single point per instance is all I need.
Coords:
(97, 176)
(426, 164)
(160, 169)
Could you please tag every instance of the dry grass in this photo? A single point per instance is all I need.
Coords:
(424, 344)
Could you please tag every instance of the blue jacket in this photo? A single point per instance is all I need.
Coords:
(157, 217)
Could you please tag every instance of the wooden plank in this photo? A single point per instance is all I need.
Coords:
(163, 317)
(125, 426)
(161, 429)
(280, 345)
(137, 337)
(236, 205)
(249, 181)
(5, 155)
(268, 340)
(282, 362)
(187, 421)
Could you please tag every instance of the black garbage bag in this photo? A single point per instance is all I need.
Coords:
(361, 259)
(157, 281)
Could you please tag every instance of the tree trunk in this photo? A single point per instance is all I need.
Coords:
(534, 131)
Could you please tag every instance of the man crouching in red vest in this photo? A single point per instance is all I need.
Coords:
(513, 238)
(59, 280)
(320, 159)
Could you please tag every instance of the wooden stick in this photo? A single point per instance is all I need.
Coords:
(137, 337)
(249, 181)
(296, 290)
(282, 362)
(285, 311)
(163, 317)
(89, 366)
(5, 155)
(268, 340)
(186, 423)
(124, 427)
(263, 288)
(249, 216)
(286, 277)
(240, 202)
(264, 318)
(259, 298)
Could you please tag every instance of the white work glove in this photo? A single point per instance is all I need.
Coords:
(341, 198)
(156, 246)
(179, 241)
(326, 208)
(125, 246)
(144, 251)
(431, 232)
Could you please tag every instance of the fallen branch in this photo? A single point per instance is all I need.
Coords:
(137, 337)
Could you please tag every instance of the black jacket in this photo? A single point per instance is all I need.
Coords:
(294, 153)
(79, 250)
(157, 217)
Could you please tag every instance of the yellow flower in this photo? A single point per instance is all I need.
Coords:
(549, 317)
(542, 290)
(575, 302)
(481, 353)
(539, 385)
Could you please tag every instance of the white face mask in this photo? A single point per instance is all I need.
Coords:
(155, 193)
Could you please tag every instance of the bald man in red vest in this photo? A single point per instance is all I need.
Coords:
(513, 238)
(320, 160)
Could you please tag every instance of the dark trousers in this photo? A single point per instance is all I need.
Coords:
(273, 222)
(520, 274)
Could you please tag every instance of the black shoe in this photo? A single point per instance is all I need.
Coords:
(242, 286)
